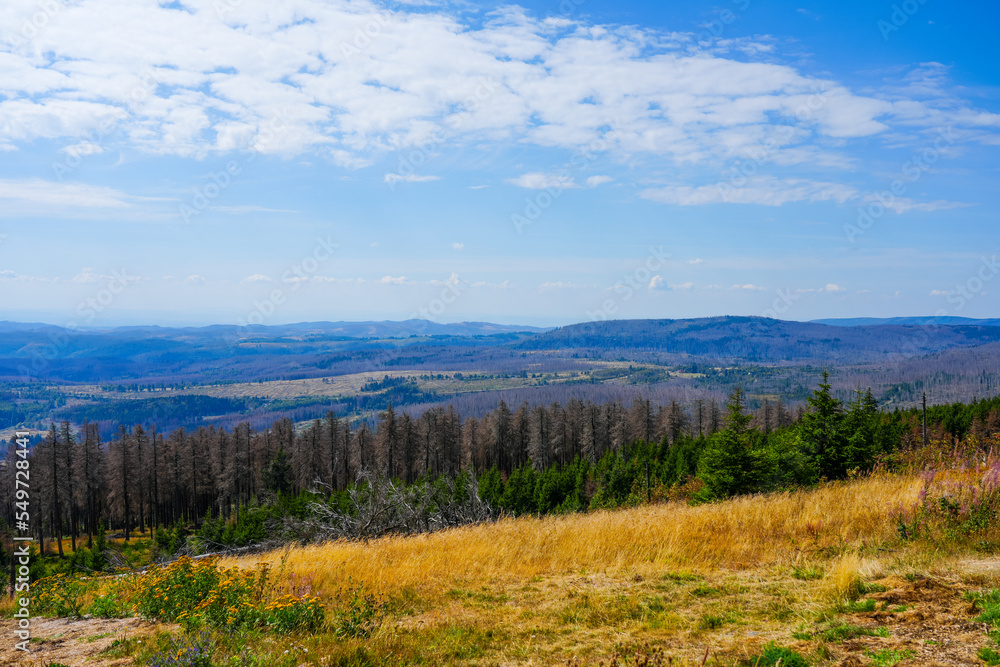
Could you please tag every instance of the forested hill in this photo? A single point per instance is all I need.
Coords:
(759, 339)
(226, 353)
(946, 320)
(223, 375)
(321, 349)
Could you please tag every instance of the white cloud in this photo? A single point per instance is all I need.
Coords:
(328, 279)
(409, 178)
(83, 148)
(390, 280)
(594, 181)
(748, 286)
(764, 190)
(284, 78)
(904, 204)
(88, 275)
(195, 280)
(37, 192)
(458, 246)
(257, 278)
(560, 285)
(939, 292)
(550, 82)
(344, 159)
(829, 288)
(697, 260)
(658, 283)
(453, 280)
(243, 210)
(9, 275)
(504, 285)
(541, 181)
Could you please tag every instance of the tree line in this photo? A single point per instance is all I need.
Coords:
(533, 459)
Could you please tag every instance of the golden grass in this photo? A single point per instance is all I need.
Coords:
(747, 532)
(846, 575)
(577, 589)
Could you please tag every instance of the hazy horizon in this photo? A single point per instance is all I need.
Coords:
(139, 320)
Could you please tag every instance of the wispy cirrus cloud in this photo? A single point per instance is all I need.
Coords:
(49, 194)
(905, 204)
(659, 283)
(542, 181)
(250, 208)
(409, 178)
(89, 275)
(765, 191)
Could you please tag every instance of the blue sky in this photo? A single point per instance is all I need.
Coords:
(228, 161)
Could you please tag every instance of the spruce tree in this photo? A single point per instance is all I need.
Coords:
(823, 433)
(727, 466)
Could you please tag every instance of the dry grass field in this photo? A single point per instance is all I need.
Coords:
(338, 385)
(745, 533)
(822, 572)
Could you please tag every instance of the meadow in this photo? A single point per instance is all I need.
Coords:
(867, 571)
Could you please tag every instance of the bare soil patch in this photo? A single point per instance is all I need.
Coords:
(927, 616)
(72, 641)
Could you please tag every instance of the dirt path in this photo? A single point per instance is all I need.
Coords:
(71, 642)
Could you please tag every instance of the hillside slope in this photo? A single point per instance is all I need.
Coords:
(759, 339)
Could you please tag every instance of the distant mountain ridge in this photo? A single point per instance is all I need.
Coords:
(416, 327)
(759, 339)
(368, 329)
(929, 320)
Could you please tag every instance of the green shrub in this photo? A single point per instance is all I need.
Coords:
(109, 605)
(988, 602)
(197, 594)
(773, 654)
(839, 631)
(807, 573)
(361, 613)
(857, 606)
(59, 595)
(989, 656)
(710, 622)
(889, 657)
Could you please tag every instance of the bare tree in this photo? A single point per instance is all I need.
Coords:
(378, 506)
